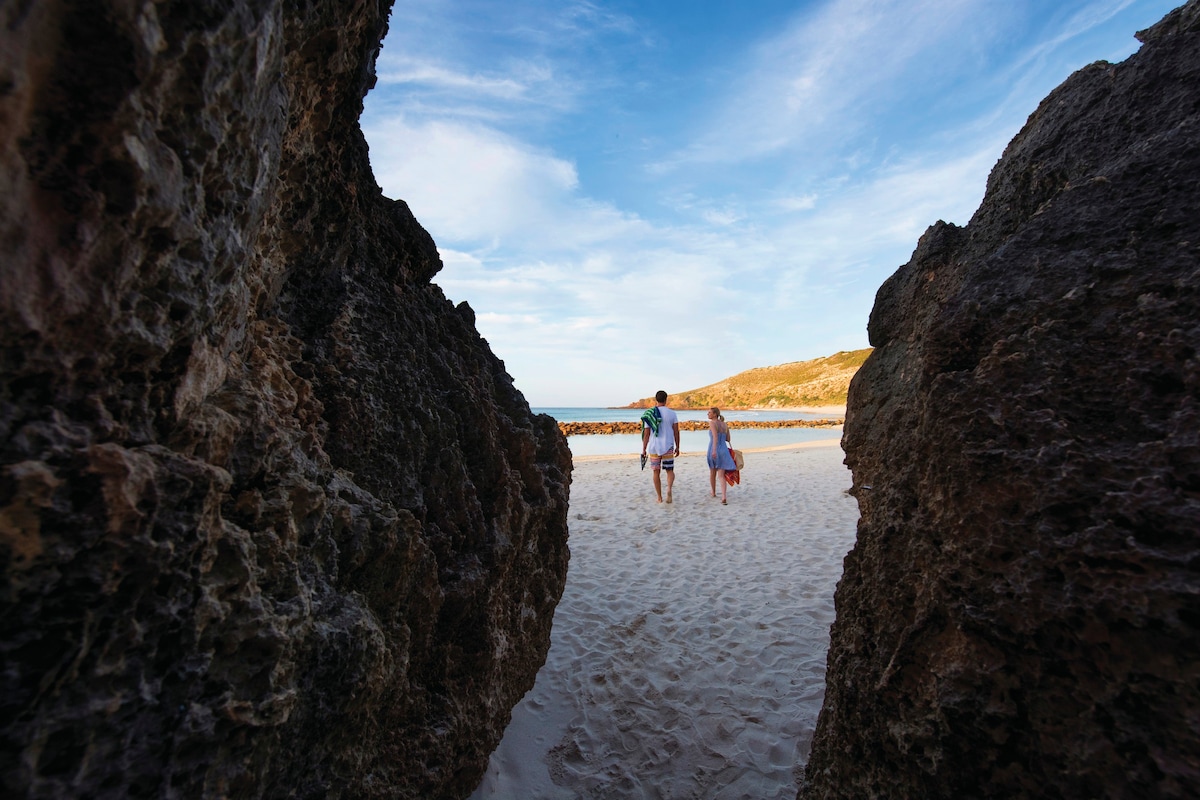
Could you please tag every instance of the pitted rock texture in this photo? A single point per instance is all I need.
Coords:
(274, 521)
(1020, 616)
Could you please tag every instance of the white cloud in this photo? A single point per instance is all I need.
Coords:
(722, 217)
(407, 71)
(468, 184)
(805, 202)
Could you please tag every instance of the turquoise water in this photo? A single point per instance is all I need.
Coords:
(689, 441)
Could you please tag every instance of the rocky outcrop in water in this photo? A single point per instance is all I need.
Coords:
(601, 428)
(274, 521)
(1020, 616)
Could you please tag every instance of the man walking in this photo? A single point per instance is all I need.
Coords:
(660, 434)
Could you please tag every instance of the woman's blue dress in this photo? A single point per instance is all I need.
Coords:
(723, 460)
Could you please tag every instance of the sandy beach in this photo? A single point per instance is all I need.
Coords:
(688, 653)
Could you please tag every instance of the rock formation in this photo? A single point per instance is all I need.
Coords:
(274, 521)
(1020, 616)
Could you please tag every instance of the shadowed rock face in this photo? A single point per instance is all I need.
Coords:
(273, 519)
(1020, 616)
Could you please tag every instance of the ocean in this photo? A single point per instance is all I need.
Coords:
(689, 441)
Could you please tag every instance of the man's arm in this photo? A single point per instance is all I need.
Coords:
(675, 427)
(646, 437)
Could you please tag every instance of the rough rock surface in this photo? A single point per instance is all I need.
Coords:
(1020, 616)
(274, 521)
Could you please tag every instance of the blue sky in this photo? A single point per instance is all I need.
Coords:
(661, 194)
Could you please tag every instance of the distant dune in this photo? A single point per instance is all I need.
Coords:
(820, 382)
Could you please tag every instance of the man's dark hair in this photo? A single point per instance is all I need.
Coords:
(661, 396)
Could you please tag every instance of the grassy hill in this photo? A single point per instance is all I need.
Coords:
(820, 382)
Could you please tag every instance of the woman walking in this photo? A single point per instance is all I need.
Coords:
(720, 461)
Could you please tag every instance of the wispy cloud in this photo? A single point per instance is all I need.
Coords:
(754, 233)
(829, 75)
(408, 72)
(797, 203)
(1077, 24)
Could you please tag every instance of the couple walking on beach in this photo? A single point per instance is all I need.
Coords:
(660, 440)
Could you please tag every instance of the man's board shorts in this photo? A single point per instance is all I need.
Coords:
(665, 461)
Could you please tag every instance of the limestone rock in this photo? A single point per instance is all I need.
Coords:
(1020, 616)
(274, 521)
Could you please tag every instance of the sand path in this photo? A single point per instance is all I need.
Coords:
(687, 658)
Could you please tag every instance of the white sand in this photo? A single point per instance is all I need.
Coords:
(687, 658)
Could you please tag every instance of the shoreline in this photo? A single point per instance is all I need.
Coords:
(830, 442)
(838, 409)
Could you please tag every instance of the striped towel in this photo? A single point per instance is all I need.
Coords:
(652, 418)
